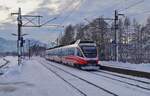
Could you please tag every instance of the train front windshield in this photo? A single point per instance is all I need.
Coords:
(89, 51)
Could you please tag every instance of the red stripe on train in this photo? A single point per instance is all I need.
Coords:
(76, 59)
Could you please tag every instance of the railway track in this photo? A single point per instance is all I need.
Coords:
(122, 81)
(65, 80)
(84, 80)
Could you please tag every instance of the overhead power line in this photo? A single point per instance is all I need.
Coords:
(105, 9)
(132, 5)
(72, 12)
(57, 16)
(142, 13)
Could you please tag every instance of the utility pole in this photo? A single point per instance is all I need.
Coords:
(20, 40)
(116, 34)
(19, 19)
(29, 52)
(29, 23)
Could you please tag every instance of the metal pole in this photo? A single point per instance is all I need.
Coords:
(116, 35)
(29, 49)
(19, 35)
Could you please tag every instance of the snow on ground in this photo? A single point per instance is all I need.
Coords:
(3, 63)
(32, 79)
(8, 66)
(138, 67)
(114, 86)
(12, 59)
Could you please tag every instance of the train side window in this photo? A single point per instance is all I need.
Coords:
(65, 52)
(62, 52)
(71, 51)
(59, 52)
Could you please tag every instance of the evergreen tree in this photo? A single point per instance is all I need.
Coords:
(79, 31)
(68, 36)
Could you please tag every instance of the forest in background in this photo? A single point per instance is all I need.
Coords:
(133, 38)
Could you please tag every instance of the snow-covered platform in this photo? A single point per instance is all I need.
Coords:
(142, 70)
(144, 67)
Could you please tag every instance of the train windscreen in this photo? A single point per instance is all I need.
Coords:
(89, 51)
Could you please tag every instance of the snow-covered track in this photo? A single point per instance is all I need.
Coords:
(122, 81)
(84, 94)
(113, 86)
(88, 82)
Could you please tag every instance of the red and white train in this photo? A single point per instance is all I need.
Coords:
(81, 54)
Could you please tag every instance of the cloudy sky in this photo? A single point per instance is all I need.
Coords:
(66, 12)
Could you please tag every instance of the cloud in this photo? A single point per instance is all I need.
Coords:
(61, 6)
(48, 8)
(70, 11)
(9, 6)
(3, 15)
(54, 7)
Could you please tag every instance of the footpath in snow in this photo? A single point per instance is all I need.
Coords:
(32, 79)
(129, 66)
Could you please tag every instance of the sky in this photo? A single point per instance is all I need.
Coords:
(66, 12)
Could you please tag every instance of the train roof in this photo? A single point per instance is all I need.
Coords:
(55, 47)
(82, 41)
(87, 42)
(73, 44)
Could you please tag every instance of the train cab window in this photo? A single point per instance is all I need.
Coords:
(79, 53)
(89, 51)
